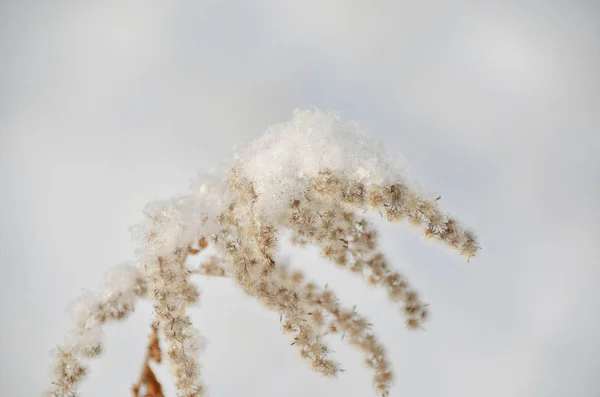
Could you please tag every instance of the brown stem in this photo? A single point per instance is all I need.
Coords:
(147, 377)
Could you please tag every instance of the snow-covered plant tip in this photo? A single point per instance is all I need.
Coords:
(314, 176)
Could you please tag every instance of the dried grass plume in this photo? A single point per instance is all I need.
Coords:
(316, 176)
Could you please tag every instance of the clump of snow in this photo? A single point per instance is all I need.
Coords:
(169, 224)
(280, 164)
(122, 279)
(120, 291)
(88, 329)
(85, 308)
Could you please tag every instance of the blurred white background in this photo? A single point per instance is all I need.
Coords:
(105, 106)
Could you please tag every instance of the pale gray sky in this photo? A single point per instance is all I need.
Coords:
(104, 107)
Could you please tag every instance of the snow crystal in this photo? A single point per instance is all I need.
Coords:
(88, 329)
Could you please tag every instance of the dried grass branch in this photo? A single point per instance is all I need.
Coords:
(321, 196)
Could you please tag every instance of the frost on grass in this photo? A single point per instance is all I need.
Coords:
(316, 176)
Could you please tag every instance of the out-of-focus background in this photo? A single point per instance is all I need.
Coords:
(105, 106)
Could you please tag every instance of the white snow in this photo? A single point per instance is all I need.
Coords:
(280, 165)
(282, 162)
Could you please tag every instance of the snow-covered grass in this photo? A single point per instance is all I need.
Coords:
(315, 176)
